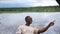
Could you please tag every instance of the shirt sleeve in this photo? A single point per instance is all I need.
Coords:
(19, 30)
(36, 31)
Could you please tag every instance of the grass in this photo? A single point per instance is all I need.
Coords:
(31, 9)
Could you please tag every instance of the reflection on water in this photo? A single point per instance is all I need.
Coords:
(10, 22)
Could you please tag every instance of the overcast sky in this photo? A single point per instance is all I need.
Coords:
(27, 3)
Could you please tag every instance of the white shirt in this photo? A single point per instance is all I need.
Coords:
(23, 29)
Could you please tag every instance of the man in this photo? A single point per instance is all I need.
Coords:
(26, 29)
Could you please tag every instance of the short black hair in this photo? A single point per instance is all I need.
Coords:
(26, 17)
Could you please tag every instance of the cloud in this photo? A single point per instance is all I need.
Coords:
(31, 3)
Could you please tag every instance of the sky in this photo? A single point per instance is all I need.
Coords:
(27, 3)
(10, 22)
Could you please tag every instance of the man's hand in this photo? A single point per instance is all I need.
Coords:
(46, 28)
(52, 23)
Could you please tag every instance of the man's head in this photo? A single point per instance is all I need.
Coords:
(28, 20)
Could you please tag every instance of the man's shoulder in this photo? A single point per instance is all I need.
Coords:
(20, 26)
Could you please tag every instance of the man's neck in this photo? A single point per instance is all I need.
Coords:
(27, 24)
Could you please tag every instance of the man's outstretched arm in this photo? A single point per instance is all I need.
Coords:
(46, 28)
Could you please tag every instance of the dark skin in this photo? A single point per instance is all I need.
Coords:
(29, 21)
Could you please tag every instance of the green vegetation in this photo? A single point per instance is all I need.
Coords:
(31, 9)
